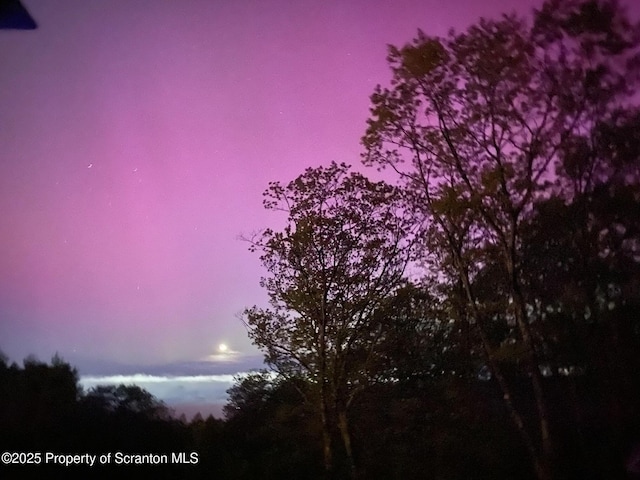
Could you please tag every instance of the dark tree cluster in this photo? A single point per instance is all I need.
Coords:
(44, 409)
(481, 317)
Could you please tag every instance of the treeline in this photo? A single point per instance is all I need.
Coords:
(44, 409)
(451, 426)
(440, 417)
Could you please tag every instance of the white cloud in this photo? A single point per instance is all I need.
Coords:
(146, 378)
(178, 389)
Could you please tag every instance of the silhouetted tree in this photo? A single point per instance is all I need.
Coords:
(476, 125)
(343, 250)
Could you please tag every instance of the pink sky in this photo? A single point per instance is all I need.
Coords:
(137, 138)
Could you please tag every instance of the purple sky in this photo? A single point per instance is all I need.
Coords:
(137, 138)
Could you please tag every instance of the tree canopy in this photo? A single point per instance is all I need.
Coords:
(486, 129)
(343, 250)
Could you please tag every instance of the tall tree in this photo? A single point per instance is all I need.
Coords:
(343, 250)
(477, 125)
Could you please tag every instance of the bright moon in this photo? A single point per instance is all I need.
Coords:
(223, 348)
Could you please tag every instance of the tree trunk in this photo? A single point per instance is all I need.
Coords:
(547, 450)
(327, 449)
(539, 460)
(343, 425)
